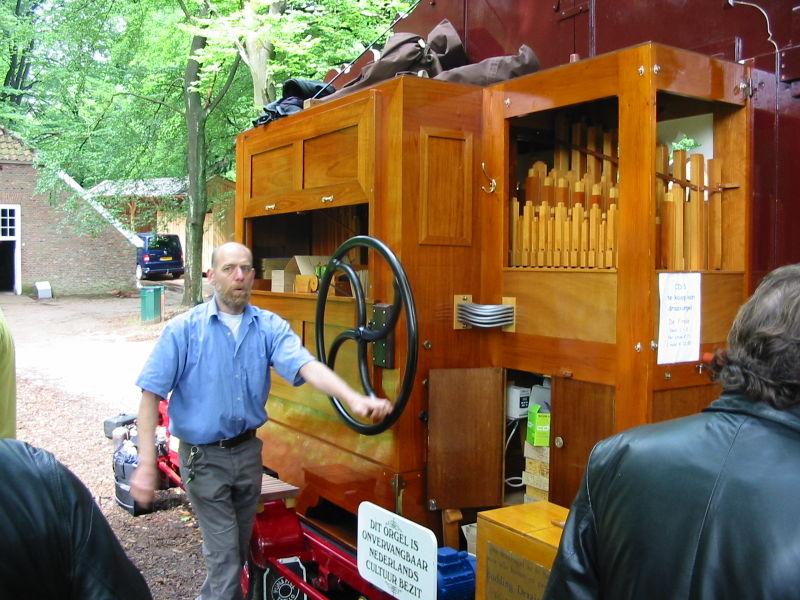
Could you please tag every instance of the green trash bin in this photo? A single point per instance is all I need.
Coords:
(151, 303)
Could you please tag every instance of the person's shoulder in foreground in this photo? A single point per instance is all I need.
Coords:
(54, 541)
(703, 506)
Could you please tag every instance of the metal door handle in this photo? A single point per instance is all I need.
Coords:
(270, 207)
(326, 199)
(558, 442)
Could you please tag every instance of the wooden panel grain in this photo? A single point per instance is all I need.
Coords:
(466, 418)
(270, 173)
(582, 415)
(691, 74)
(445, 187)
(671, 404)
(492, 215)
(574, 305)
(517, 545)
(239, 227)
(586, 361)
(734, 153)
(637, 247)
(293, 453)
(330, 158)
(560, 86)
(721, 295)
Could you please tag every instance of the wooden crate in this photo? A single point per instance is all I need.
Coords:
(516, 548)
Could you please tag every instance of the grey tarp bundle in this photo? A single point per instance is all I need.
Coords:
(409, 53)
(494, 69)
(441, 56)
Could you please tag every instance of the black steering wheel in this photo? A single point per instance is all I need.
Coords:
(363, 333)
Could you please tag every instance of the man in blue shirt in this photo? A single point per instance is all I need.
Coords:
(216, 359)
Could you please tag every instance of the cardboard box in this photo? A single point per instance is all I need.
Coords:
(283, 279)
(266, 266)
(537, 467)
(305, 284)
(535, 480)
(537, 452)
(538, 427)
(533, 494)
(516, 549)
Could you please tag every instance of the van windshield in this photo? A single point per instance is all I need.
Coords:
(170, 243)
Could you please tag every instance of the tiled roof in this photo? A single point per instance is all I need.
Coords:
(160, 187)
(12, 149)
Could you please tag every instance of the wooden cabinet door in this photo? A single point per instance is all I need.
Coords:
(582, 415)
(323, 160)
(466, 421)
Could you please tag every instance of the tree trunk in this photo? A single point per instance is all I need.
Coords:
(197, 201)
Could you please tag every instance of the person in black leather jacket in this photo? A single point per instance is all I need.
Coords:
(54, 541)
(706, 506)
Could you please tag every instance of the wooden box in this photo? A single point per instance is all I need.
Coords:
(516, 549)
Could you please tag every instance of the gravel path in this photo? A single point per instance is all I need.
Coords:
(77, 359)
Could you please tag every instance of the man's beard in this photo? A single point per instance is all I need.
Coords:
(233, 301)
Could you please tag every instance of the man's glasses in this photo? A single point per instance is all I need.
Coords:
(231, 269)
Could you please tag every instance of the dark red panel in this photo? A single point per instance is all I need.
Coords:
(557, 28)
(428, 13)
(787, 219)
(763, 221)
(691, 24)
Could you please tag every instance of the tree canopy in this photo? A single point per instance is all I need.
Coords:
(135, 90)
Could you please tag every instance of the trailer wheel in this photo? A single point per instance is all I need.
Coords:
(363, 333)
(269, 585)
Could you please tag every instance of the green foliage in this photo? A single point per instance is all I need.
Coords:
(105, 96)
(685, 143)
(318, 35)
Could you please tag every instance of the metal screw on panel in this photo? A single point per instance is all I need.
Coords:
(638, 346)
(656, 69)
(641, 70)
(507, 102)
(700, 368)
(558, 442)
(667, 375)
(432, 504)
(427, 344)
(653, 345)
(424, 383)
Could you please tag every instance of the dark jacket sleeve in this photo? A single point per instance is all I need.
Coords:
(101, 569)
(574, 573)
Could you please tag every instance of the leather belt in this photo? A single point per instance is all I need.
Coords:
(234, 441)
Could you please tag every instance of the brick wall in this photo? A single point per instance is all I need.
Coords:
(53, 251)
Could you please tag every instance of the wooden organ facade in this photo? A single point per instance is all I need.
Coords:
(549, 191)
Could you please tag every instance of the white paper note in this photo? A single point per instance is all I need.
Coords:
(679, 317)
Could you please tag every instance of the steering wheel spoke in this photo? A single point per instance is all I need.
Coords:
(363, 334)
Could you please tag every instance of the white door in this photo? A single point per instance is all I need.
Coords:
(10, 234)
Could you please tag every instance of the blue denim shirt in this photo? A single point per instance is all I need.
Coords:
(219, 385)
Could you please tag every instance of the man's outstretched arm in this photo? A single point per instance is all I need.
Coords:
(325, 380)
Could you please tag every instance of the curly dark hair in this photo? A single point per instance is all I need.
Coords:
(762, 360)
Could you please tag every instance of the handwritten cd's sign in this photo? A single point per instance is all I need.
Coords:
(396, 555)
(679, 317)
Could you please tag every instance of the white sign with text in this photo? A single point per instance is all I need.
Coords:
(679, 317)
(396, 555)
